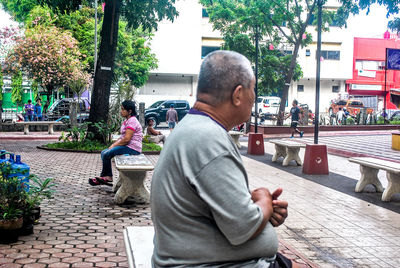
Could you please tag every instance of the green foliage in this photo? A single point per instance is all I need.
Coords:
(19, 9)
(12, 198)
(350, 121)
(395, 122)
(381, 120)
(85, 145)
(35, 90)
(1, 83)
(75, 133)
(133, 59)
(39, 189)
(150, 147)
(95, 146)
(16, 87)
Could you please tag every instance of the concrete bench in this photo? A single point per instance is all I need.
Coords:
(369, 168)
(50, 125)
(132, 173)
(139, 245)
(289, 150)
(235, 136)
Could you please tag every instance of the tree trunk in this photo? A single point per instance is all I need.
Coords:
(288, 80)
(49, 93)
(99, 107)
(1, 111)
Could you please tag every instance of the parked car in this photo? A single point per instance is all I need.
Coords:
(352, 106)
(60, 108)
(158, 110)
(395, 116)
(269, 106)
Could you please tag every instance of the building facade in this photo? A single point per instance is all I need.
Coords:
(181, 45)
(369, 78)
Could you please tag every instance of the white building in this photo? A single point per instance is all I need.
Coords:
(179, 47)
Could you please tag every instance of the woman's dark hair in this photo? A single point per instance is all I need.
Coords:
(129, 105)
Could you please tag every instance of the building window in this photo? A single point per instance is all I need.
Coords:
(308, 52)
(370, 65)
(207, 50)
(300, 88)
(204, 13)
(335, 89)
(330, 54)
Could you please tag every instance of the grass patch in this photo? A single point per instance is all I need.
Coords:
(92, 146)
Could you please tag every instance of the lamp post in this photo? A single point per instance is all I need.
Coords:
(256, 86)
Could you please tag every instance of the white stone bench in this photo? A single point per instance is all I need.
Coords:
(369, 168)
(49, 124)
(139, 245)
(132, 173)
(287, 149)
(235, 136)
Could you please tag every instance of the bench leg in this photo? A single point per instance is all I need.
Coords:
(292, 154)
(51, 131)
(393, 186)
(132, 184)
(280, 151)
(368, 176)
(26, 129)
(117, 183)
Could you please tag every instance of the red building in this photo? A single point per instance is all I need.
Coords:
(369, 73)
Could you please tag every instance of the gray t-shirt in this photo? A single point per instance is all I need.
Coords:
(172, 115)
(201, 206)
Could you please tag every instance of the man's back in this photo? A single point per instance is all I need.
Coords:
(202, 213)
(172, 115)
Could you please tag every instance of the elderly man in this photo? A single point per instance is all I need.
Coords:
(203, 211)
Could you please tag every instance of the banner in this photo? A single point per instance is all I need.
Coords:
(393, 59)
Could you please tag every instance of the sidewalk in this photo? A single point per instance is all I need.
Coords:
(328, 223)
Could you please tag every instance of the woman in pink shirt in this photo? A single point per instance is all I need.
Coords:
(130, 142)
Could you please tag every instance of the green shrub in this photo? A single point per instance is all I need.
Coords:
(350, 121)
(95, 146)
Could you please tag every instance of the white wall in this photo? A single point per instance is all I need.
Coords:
(178, 44)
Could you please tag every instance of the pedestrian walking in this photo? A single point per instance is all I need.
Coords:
(171, 117)
(295, 115)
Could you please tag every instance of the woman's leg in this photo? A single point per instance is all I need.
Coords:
(108, 154)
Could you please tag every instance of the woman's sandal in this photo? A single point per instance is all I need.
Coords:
(99, 181)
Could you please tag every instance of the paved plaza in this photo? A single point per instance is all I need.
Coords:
(328, 225)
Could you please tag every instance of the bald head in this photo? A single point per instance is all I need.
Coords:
(220, 73)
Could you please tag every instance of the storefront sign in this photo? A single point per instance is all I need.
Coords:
(365, 87)
(371, 74)
(393, 59)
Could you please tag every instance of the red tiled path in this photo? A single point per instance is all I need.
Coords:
(81, 226)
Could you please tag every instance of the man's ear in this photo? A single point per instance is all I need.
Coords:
(237, 95)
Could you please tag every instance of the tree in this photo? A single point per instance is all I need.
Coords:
(47, 55)
(1, 93)
(273, 64)
(16, 87)
(234, 17)
(145, 14)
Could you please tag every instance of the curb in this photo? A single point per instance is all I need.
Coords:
(88, 152)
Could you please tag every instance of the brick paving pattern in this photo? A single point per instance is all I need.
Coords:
(81, 226)
(371, 145)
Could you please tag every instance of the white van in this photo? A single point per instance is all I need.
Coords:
(267, 105)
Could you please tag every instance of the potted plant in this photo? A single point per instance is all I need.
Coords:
(12, 204)
(39, 190)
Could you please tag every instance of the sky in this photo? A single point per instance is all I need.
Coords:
(373, 25)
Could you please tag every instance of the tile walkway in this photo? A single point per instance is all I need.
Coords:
(81, 226)
(331, 227)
